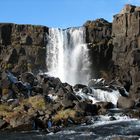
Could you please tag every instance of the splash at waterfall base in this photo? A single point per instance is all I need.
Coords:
(54, 105)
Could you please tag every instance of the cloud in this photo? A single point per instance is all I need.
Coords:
(137, 2)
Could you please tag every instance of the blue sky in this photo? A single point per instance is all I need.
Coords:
(59, 13)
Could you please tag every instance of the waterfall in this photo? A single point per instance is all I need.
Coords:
(67, 55)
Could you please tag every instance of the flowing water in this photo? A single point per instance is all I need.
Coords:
(67, 55)
(103, 129)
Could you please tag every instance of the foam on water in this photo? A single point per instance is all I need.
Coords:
(67, 132)
(105, 120)
(98, 95)
(102, 95)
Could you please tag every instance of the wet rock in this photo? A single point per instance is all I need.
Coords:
(56, 82)
(133, 113)
(106, 105)
(87, 90)
(51, 83)
(86, 108)
(103, 107)
(68, 88)
(102, 111)
(112, 118)
(77, 87)
(123, 92)
(89, 120)
(96, 83)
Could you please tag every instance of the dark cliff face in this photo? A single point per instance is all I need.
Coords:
(98, 38)
(126, 51)
(115, 48)
(22, 47)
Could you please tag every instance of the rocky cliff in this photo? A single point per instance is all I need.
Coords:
(98, 38)
(22, 47)
(126, 47)
(115, 47)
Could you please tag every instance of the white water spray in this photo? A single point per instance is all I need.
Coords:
(67, 55)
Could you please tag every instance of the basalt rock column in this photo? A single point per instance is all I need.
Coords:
(126, 52)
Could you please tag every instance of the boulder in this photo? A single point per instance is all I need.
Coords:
(87, 90)
(28, 77)
(38, 89)
(125, 103)
(112, 118)
(96, 83)
(106, 105)
(67, 87)
(77, 87)
(103, 107)
(70, 96)
(60, 93)
(86, 108)
(57, 106)
(67, 103)
(68, 100)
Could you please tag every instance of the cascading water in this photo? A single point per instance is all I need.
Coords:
(67, 55)
(68, 59)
